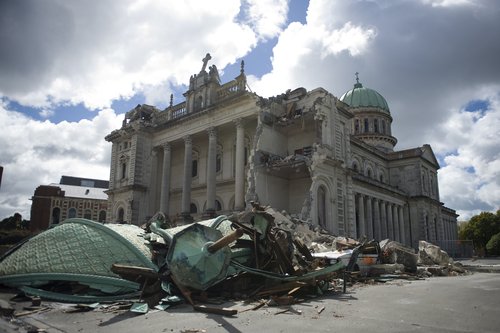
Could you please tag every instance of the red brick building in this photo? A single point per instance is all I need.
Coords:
(72, 197)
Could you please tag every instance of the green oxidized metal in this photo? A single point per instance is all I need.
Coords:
(361, 96)
(78, 250)
(188, 257)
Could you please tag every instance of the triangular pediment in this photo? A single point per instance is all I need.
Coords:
(428, 155)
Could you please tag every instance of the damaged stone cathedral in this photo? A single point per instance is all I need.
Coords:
(327, 160)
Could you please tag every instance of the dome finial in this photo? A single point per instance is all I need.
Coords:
(357, 84)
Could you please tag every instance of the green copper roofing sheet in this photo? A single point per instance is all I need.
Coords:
(78, 250)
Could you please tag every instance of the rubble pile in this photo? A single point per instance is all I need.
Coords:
(314, 237)
(433, 261)
(260, 255)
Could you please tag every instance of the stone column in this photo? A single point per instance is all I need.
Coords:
(383, 220)
(239, 179)
(390, 226)
(165, 180)
(448, 233)
(369, 218)
(361, 216)
(395, 217)
(402, 234)
(211, 173)
(376, 220)
(186, 184)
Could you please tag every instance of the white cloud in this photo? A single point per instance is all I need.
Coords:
(448, 3)
(97, 51)
(267, 17)
(301, 51)
(420, 55)
(426, 62)
(46, 113)
(39, 153)
(470, 180)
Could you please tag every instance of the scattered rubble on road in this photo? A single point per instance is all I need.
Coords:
(262, 257)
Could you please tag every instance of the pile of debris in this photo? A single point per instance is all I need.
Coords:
(260, 255)
(245, 256)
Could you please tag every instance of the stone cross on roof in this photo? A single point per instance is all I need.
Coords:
(205, 61)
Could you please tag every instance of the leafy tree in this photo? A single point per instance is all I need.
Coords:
(13, 222)
(10, 223)
(493, 245)
(480, 229)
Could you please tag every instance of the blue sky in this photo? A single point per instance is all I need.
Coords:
(70, 70)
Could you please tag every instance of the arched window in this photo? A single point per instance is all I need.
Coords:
(369, 173)
(194, 169)
(71, 213)
(356, 126)
(193, 209)
(56, 215)
(199, 103)
(375, 125)
(218, 206)
(381, 177)
(322, 206)
(102, 216)
(355, 166)
(366, 126)
(124, 170)
(383, 126)
(194, 164)
(87, 214)
(121, 216)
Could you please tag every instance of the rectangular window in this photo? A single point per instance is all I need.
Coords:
(124, 170)
(87, 183)
(194, 170)
(218, 163)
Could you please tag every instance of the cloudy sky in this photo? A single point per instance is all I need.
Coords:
(69, 70)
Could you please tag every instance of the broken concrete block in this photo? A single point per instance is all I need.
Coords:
(437, 270)
(422, 271)
(380, 269)
(397, 253)
(434, 253)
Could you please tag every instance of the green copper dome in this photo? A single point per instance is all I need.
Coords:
(360, 96)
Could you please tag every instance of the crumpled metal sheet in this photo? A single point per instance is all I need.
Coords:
(78, 250)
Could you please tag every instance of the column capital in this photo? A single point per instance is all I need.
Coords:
(165, 145)
(187, 139)
(212, 132)
(239, 122)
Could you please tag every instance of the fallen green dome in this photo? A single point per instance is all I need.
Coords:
(77, 251)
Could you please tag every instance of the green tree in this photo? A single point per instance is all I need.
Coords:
(493, 245)
(480, 229)
(11, 222)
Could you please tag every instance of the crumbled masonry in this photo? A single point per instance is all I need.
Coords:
(261, 255)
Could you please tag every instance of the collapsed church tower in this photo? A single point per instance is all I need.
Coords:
(327, 160)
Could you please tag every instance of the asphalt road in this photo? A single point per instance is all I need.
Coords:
(440, 304)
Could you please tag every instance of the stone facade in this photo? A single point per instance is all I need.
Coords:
(72, 197)
(306, 152)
